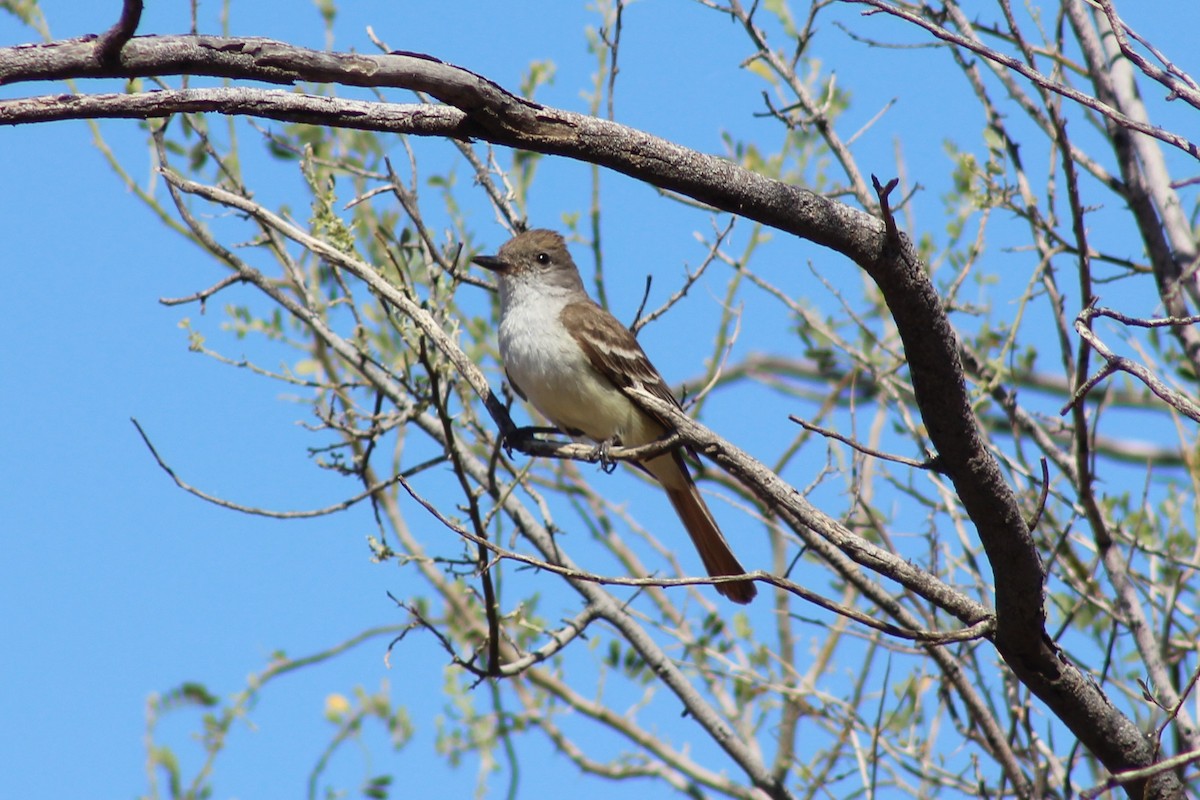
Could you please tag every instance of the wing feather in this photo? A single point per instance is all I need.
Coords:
(614, 351)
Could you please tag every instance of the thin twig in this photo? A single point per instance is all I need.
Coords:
(830, 434)
(262, 512)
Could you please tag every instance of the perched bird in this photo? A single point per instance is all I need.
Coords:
(571, 359)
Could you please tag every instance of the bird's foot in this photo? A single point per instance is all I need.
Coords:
(600, 454)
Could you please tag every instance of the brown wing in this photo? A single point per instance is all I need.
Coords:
(616, 354)
(613, 350)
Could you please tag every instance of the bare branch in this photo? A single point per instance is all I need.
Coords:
(1115, 363)
(262, 512)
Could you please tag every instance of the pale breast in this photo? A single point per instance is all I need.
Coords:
(551, 370)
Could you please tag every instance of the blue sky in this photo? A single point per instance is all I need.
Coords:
(116, 584)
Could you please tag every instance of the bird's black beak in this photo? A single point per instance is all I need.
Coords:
(493, 263)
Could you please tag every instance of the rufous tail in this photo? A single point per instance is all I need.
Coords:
(714, 551)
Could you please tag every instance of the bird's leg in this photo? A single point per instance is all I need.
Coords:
(607, 463)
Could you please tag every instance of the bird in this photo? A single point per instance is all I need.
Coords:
(572, 360)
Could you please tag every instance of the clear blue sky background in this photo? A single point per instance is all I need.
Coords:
(115, 583)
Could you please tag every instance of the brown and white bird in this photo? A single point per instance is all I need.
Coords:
(571, 360)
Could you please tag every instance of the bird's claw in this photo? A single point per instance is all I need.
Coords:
(600, 454)
(515, 439)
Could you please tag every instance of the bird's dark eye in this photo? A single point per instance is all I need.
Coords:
(543, 258)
